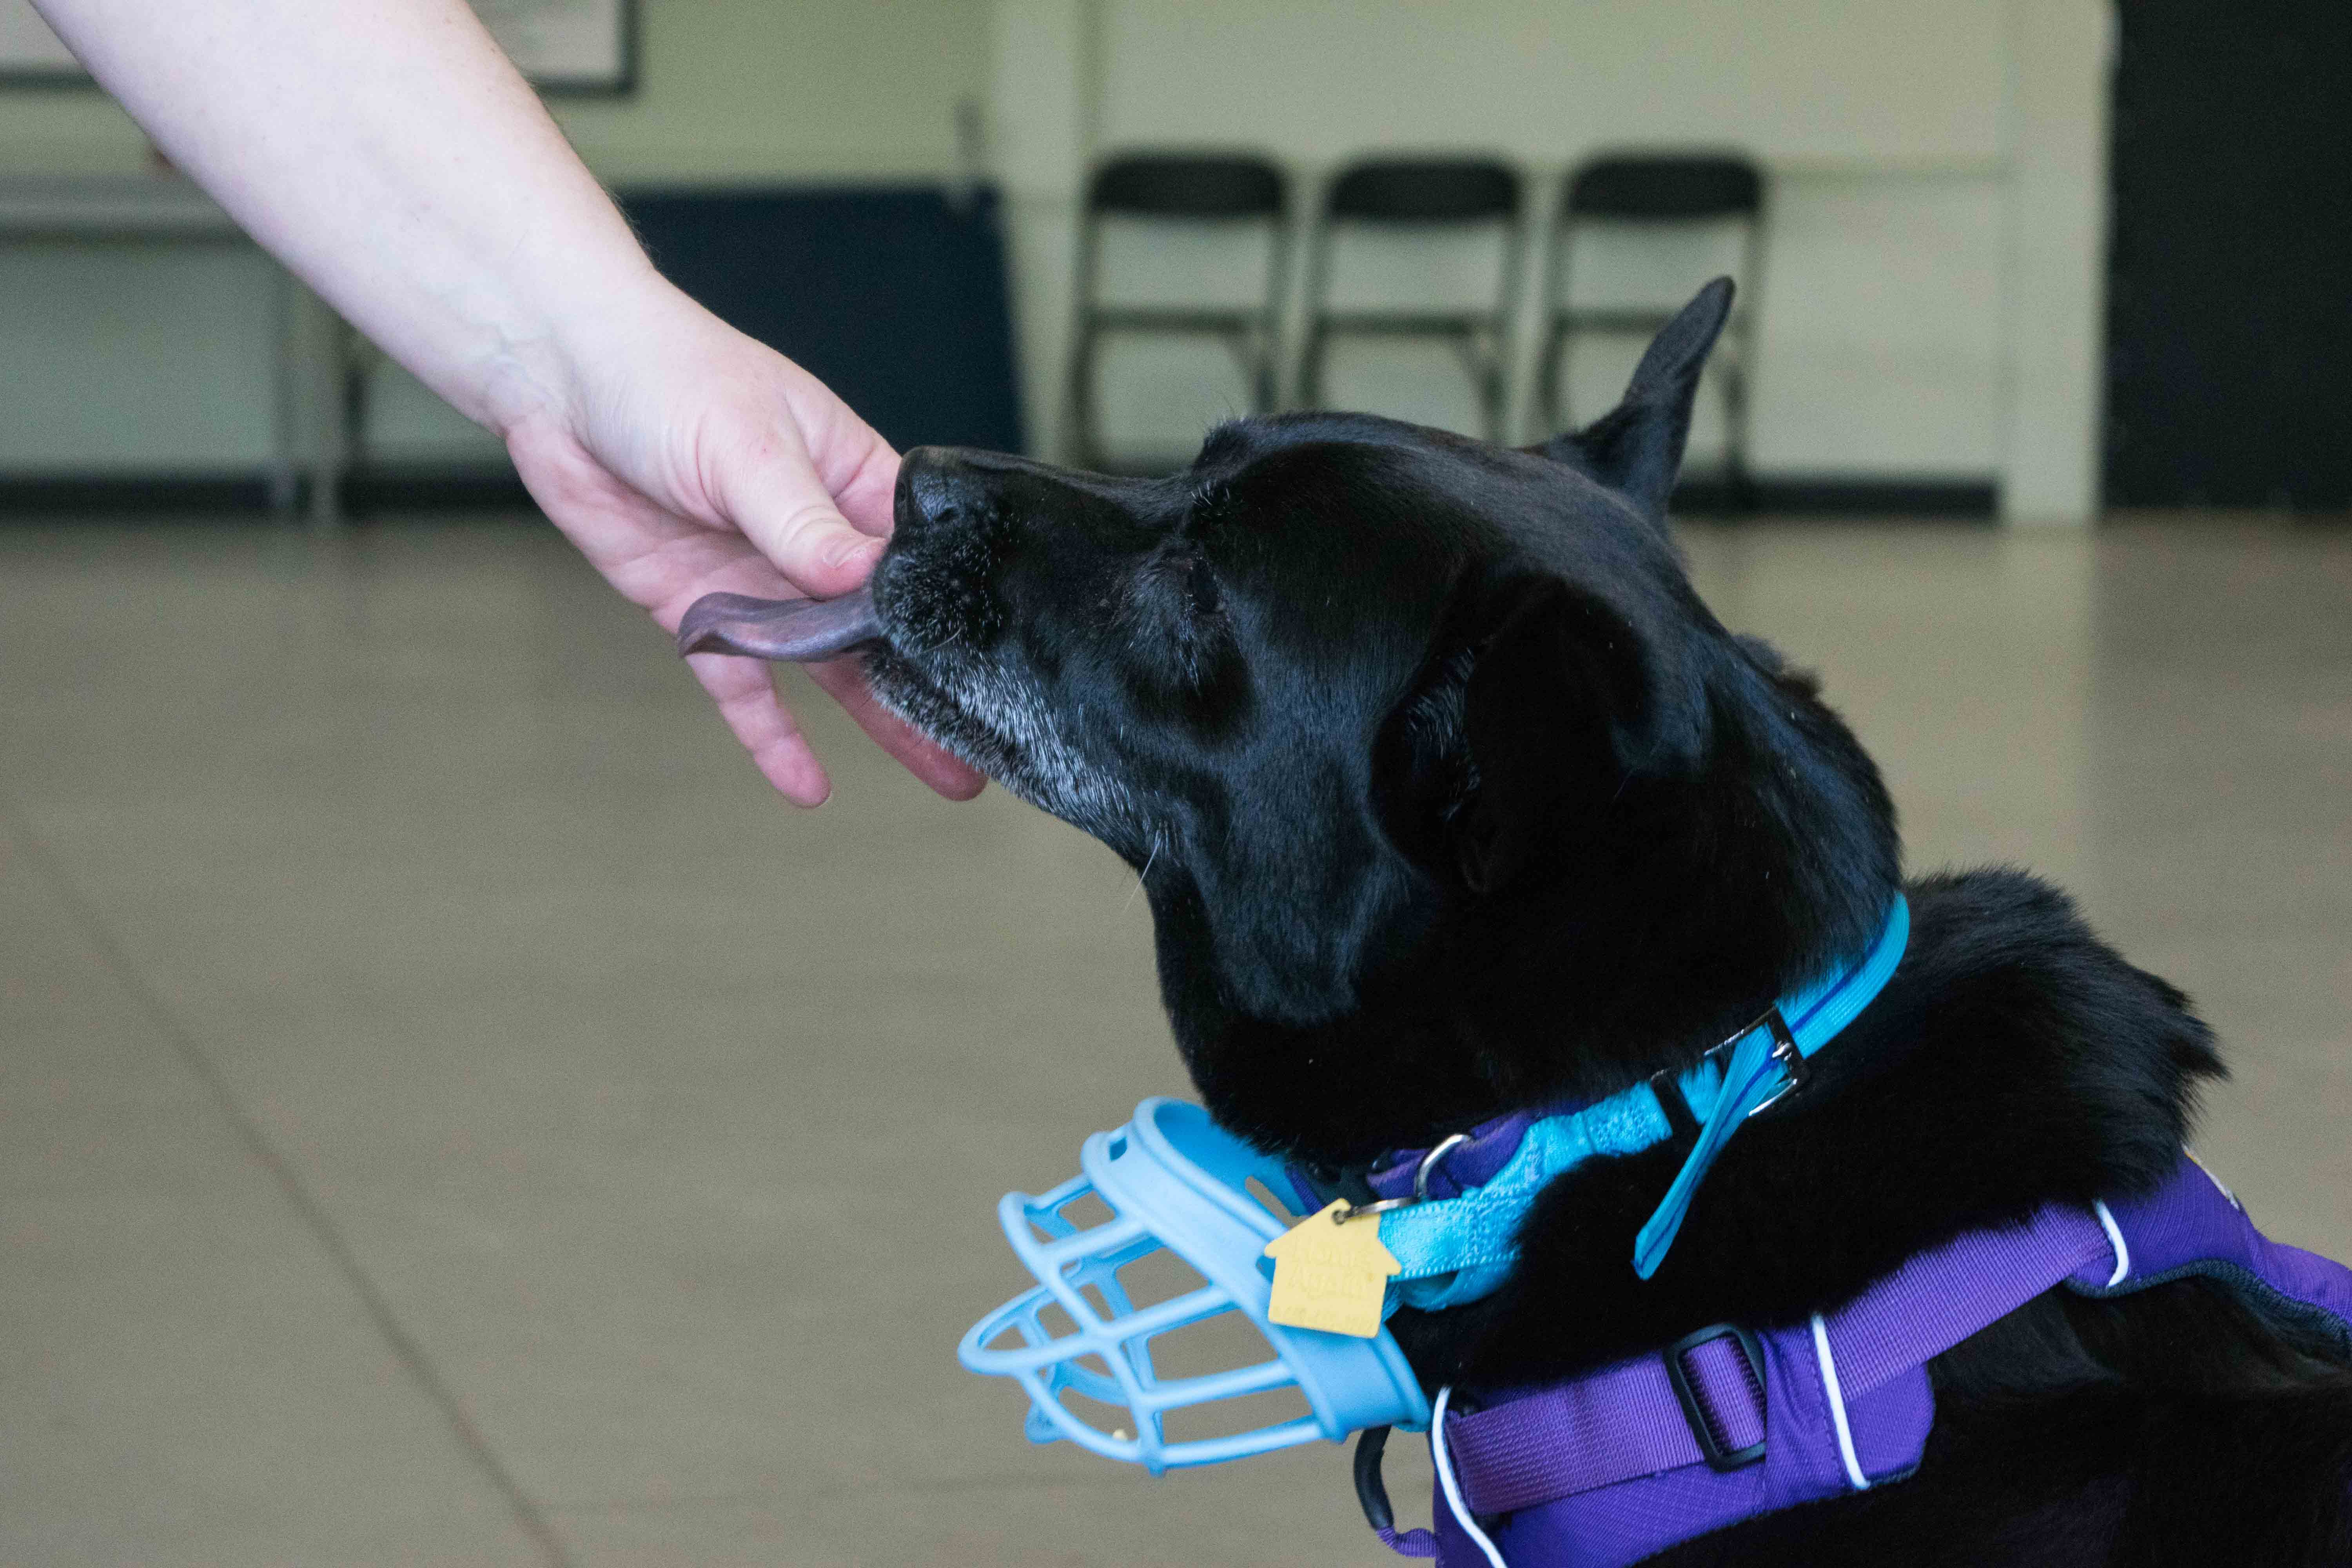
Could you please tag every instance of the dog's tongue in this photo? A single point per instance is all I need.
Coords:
(796, 629)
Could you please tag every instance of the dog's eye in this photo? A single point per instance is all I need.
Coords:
(1175, 586)
(1201, 583)
(1177, 645)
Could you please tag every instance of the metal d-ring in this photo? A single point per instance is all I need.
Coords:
(1347, 1212)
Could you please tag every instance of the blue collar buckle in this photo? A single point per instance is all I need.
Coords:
(1767, 1062)
(1454, 1249)
(1785, 1055)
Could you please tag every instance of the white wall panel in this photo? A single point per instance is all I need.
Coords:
(128, 356)
(1888, 80)
(1882, 326)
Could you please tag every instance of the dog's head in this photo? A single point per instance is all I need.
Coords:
(1448, 793)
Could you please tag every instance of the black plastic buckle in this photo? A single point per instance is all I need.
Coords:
(1328, 1183)
(1718, 1458)
(1682, 1124)
(1371, 1492)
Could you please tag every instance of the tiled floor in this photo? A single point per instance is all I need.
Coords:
(450, 1113)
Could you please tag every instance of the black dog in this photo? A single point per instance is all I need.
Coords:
(1450, 798)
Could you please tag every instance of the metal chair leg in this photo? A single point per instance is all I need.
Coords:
(1085, 449)
(1739, 486)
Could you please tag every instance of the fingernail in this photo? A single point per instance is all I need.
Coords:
(855, 549)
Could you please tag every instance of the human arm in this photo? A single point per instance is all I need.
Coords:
(389, 154)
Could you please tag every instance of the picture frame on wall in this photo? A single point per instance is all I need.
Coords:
(563, 46)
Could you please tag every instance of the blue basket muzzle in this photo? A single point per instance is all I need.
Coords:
(1170, 1182)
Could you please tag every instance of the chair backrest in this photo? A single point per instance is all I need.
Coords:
(1666, 187)
(1184, 185)
(1425, 190)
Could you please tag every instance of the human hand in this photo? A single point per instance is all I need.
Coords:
(388, 153)
(685, 458)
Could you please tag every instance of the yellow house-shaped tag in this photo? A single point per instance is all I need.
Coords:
(1330, 1275)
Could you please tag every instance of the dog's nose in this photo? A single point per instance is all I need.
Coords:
(938, 488)
(927, 487)
(946, 485)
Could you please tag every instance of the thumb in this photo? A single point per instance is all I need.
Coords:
(771, 492)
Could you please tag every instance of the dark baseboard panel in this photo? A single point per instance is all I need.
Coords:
(370, 492)
(52, 497)
(1793, 495)
(1830, 495)
(376, 491)
(393, 489)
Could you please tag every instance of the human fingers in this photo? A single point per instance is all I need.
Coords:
(747, 700)
(763, 480)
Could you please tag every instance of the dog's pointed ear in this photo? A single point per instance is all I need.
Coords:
(1529, 720)
(1637, 447)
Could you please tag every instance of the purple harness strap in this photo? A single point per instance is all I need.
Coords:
(1626, 1461)
(1473, 1162)
(1470, 1163)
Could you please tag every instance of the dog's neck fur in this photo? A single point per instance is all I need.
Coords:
(2013, 1061)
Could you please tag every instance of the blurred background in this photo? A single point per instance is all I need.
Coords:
(451, 1112)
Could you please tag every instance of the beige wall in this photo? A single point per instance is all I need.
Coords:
(1930, 304)
(729, 90)
(126, 357)
(1887, 81)
(761, 89)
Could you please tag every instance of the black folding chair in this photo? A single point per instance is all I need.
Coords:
(1213, 188)
(1426, 194)
(1663, 188)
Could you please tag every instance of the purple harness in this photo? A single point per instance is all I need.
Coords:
(1621, 1463)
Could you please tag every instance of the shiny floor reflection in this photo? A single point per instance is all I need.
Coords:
(450, 1111)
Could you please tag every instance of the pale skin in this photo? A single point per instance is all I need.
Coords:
(389, 154)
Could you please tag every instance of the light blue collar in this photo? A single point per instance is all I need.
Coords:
(1458, 1250)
